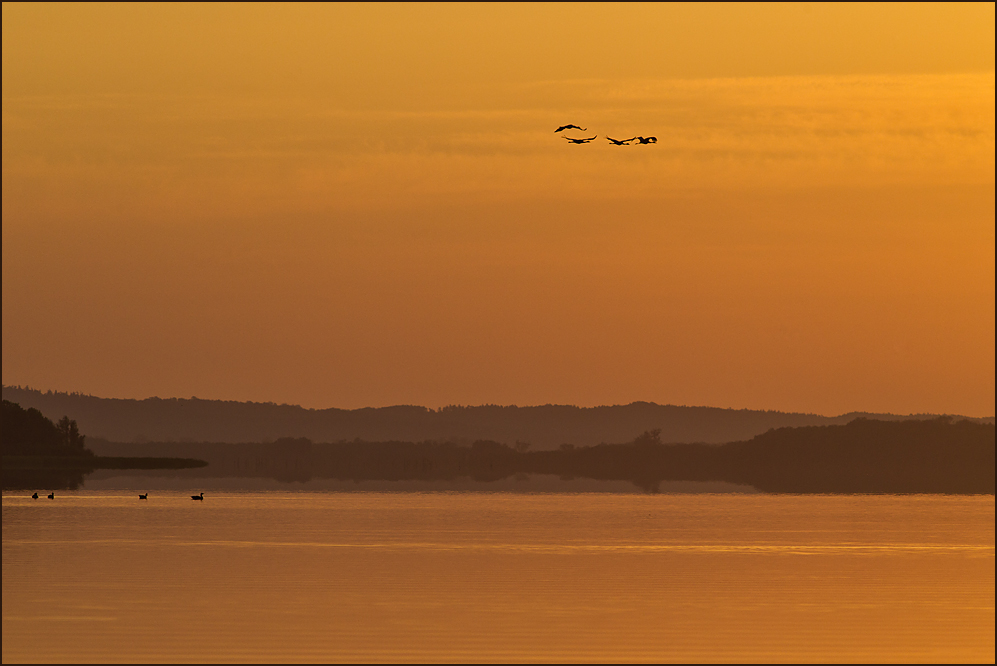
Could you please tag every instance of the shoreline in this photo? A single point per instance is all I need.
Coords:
(99, 462)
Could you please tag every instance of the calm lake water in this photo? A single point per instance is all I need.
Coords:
(97, 575)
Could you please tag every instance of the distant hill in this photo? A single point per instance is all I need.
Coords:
(544, 427)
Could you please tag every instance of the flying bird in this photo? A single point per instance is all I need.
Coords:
(568, 138)
(648, 139)
(624, 142)
(564, 127)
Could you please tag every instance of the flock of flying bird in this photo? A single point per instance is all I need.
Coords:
(615, 142)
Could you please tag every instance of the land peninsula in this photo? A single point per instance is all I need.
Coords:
(38, 453)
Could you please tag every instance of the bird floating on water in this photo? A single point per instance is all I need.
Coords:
(568, 138)
(51, 495)
(35, 496)
(146, 496)
(564, 127)
(197, 497)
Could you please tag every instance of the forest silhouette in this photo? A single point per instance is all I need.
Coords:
(864, 456)
(38, 453)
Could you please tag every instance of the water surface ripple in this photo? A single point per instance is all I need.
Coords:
(327, 576)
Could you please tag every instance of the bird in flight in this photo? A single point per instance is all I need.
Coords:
(568, 138)
(647, 139)
(564, 127)
(624, 142)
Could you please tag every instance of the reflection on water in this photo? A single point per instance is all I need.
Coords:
(67, 478)
(175, 479)
(326, 576)
(104, 480)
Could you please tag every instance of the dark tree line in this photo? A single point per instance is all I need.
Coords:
(40, 454)
(26, 432)
(864, 456)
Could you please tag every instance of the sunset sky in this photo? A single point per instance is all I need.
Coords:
(366, 205)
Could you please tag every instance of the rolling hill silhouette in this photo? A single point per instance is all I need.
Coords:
(544, 427)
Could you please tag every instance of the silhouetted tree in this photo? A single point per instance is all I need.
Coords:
(70, 434)
(26, 432)
(649, 438)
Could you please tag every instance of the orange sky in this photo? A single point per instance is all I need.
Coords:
(353, 205)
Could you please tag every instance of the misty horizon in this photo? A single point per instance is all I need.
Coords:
(459, 405)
